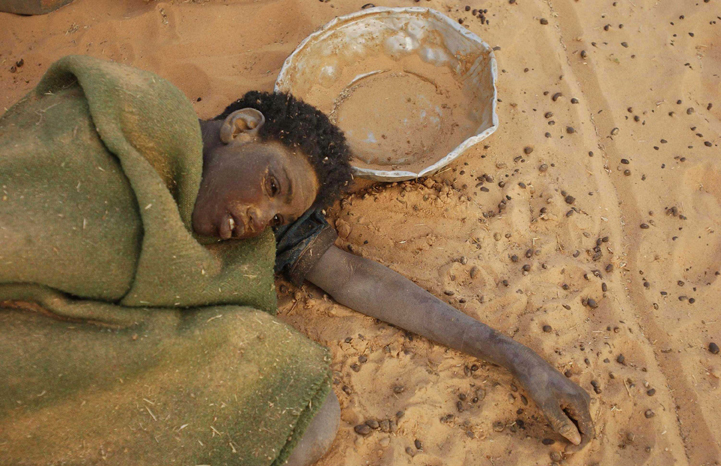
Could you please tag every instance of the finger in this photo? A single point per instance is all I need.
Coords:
(561, 423)
(580, 413)
(585, 439)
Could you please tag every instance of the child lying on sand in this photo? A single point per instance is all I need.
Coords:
(137, 282)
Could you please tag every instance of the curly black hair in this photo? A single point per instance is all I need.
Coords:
(299, 125)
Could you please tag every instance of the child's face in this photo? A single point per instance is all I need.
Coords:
(250, 185)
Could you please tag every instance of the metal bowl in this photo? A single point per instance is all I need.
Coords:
(411, 88)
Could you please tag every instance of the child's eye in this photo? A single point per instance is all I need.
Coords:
(277, 220)
(272, 186)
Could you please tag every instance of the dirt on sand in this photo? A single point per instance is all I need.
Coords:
(599, 248)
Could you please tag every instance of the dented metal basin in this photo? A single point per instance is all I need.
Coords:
(411, 88)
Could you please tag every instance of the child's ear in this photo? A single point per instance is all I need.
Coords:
(241, 125)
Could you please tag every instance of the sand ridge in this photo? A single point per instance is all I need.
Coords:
(618, 102)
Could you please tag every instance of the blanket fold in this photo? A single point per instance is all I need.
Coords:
(107, 296)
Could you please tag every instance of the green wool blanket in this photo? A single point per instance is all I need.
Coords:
(124, 338)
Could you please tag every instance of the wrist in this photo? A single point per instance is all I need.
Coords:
(485, 343)
(525, 364)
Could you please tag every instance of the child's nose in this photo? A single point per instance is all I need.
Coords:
(257, 221)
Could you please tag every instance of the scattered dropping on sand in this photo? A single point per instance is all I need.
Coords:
(713, 348)
(362, 429)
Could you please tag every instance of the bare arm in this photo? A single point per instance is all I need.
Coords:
(376, 291)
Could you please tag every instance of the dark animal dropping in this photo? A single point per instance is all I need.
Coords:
(713, 348)
(362, 429)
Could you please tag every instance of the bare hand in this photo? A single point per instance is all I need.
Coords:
(565, 404)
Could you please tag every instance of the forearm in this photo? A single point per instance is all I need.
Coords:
(379, 292)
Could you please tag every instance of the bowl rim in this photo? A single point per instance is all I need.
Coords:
(281, 85)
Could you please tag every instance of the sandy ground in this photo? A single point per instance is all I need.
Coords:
(643, 166)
